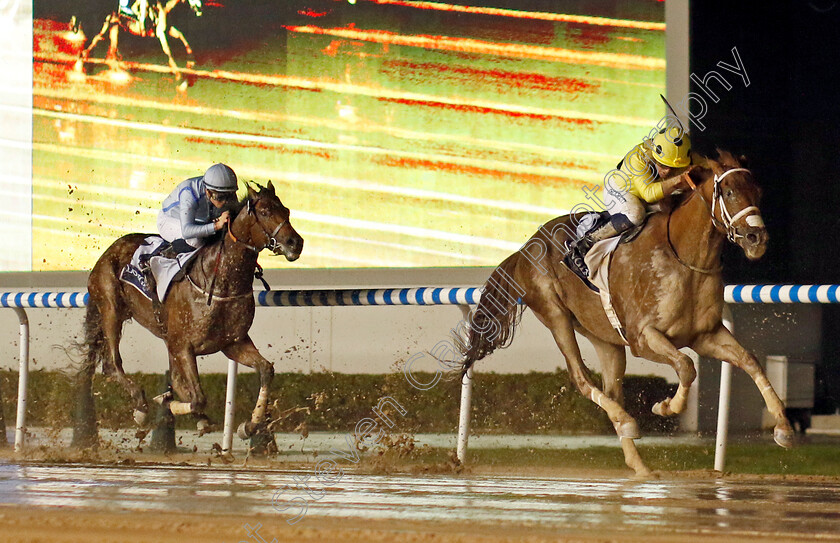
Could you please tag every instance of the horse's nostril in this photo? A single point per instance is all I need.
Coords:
(752, 238)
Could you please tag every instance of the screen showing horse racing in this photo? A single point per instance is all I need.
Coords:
(400, 133)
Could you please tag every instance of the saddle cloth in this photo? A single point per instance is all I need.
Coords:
(596, 263)
(164, 270)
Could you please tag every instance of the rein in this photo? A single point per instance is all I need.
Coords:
(271, 244)
(728, 223)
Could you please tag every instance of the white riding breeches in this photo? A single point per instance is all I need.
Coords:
(621, 202)
(170, 230)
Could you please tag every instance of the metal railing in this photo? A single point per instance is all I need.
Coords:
(460, 296)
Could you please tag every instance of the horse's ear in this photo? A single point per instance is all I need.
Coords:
(270, 187)
(252, 194)
(745, 163)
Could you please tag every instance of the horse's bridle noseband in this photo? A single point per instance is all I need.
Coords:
(271, 242)
(728, 222)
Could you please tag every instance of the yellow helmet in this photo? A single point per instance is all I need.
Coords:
(671, 146)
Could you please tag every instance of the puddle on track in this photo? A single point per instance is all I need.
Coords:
(680, 505)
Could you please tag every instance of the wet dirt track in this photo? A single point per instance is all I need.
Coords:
(451, 506)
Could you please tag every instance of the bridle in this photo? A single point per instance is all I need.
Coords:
(728, 220)
(271, 242)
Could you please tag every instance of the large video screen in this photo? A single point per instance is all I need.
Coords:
(400, 133)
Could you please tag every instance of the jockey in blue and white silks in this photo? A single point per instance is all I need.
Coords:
(196, 209)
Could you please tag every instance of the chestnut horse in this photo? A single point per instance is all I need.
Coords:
(666, 289)
(190, 320)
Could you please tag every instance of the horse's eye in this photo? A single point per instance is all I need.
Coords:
(729, 193)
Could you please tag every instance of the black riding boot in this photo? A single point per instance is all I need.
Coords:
(618, 224)
(177, 247)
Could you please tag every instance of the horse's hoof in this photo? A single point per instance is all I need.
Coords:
(140, 417)
(78, 66)
(242, 431)
(783, 437)
(642, 472)
(204, 427)
(663, 408)
(183, 86)
(629, 430)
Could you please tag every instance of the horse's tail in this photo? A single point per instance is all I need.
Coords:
(93, 349)
(492, 325)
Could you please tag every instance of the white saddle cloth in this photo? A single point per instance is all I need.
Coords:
(597, 260)
(163, 269)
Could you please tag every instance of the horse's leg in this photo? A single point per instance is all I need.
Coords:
(79, 66)
(113, 47)
(722, 345)
(177, 34)
(160, 32)
(655, 346)
(560, 324)
(186, 384)
(244, 352)
(112, 365)
(613, 366)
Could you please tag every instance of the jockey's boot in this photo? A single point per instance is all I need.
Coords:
(177, 247)
(144, 259)
(618, 224)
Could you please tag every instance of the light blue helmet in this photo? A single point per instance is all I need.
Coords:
(221, 178)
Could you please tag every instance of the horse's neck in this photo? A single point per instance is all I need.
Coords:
(693, 235)
(235, 270)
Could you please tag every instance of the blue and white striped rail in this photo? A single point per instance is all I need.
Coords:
(382, 296)
(738, 294)
(782, 294)
(19, 301)
(44, 299)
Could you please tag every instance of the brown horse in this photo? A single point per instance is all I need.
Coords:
(666, 289)
(190, 321)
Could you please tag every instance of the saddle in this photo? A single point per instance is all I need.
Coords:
(155, 265)
(575, 256)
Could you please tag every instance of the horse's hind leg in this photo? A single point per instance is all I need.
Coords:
(613, 366)
(178, 35)
(721, 345)
(160, 32)
(560, 324)
(659, 348)
(112, 365)
(106, 26)
(244, 352)
(187, 385)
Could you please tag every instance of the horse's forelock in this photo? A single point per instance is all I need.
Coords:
(728, 159)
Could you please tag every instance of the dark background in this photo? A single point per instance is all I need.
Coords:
(787, 122)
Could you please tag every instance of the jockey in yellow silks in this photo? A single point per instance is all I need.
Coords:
(649, 172)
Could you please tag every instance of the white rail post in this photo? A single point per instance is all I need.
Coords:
(466, 404)
(723, 400)
(464, 417)
(23, 379)
(230, 406)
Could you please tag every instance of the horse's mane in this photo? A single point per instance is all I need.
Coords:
(724, 160)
